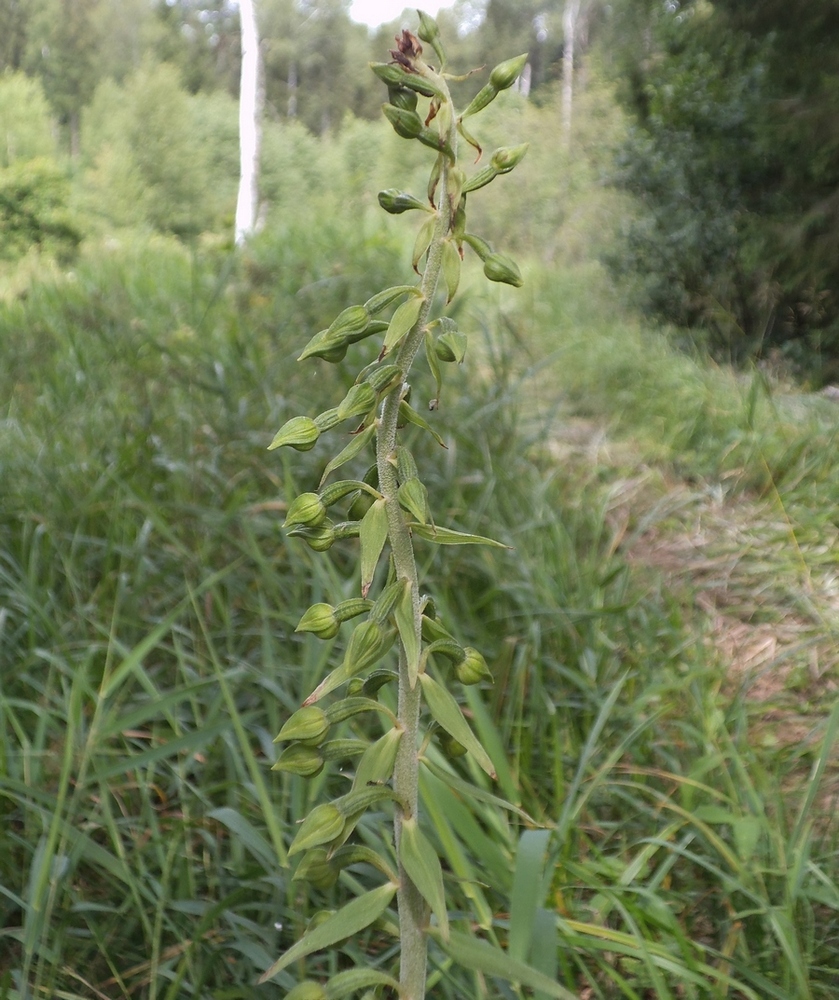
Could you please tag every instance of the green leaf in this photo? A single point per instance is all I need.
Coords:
(481, 956)
(420, 861)
(358, 854)
(433, 363)
(473, 791)
(401, 323)
(447, 713)
(407, 622)
(381, 300)
(372, 536)
(413, 496)
(349, 920)
(407, 412)
(451, 269)
(377, 761)
(448, 536)
(354, 980)
(423, 240)
(368, 643)
(528, 891)
(355, 447)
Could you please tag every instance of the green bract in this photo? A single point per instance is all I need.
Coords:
(388, 510)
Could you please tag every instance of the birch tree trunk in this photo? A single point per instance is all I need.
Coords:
(569, 28)
(250, 125)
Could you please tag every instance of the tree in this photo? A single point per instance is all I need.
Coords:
(249, 124)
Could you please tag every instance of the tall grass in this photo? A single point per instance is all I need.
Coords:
(147, 653)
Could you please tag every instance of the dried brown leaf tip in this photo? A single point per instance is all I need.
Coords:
(408, 49)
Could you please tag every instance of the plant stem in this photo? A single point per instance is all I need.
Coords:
(413, 912)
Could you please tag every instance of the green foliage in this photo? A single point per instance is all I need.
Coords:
(25, 127)
(34, 211)
(733, 158)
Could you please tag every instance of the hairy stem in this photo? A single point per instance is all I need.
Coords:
(413, 914)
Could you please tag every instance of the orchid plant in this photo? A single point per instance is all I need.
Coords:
(387, 510)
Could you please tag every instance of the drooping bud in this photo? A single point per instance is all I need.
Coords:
(507, 157)
(307, 509)
(327, 420)
(449, 745)
(396, 202)
(401, 97)
(358, 401)
(321, 620)
(309, 725)
(306, 990)
(299, 759)
(352, 608)
(472, 668)
(319, 538)
(498, 267)
(451, 346)
(406, 124)
(316, 869)
(429, 32)
(299, 433)
(506, 73)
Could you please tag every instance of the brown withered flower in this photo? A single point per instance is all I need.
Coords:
(408, 49)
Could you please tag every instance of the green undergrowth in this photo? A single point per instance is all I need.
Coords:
(148, 601)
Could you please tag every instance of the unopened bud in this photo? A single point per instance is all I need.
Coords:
(472, 668)
(321, 620)
(319, 538)
(299, 759)
(300, 433)
(449, 745)
(401, 97)
(307, 990)
(507, 157)
(505, 74)
(323, 824)
(309, 725)
(407, 124)
(316, 869)
(451, 346)
(396, 202)
(307, 509)
(498, 267)
(359, 400)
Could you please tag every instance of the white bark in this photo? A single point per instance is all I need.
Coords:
(569, 28)
(250, 125)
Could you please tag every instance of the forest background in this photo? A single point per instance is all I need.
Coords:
(643, 425)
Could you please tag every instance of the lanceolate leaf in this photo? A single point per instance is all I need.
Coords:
(377, 761)
(491, 961)
(372, 536)
(451, 269)
(401, 323)
(448, 536)
(473, 791)
(447, 713)
(355, 447)
(420, 861)
(350, 919)
(406, 622)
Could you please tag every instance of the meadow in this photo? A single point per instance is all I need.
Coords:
(662, 630)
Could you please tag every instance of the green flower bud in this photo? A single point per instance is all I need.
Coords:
(396, 202)
(449, 745)
(306, 509)
(309, 725)
(300, 433)
(451, 346)
(307, 990)
(383, 377)
(401, 97)
(407, 124)
(497, 267)
(472, 668)
(321, 620)
(481, 247)
(299, 759)
(504, 159)
(505, 74)
(427, 30)
(319, 538)
(316, 869)
(413, 496)
(355, 687)
(396, 77)
(359, 400)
